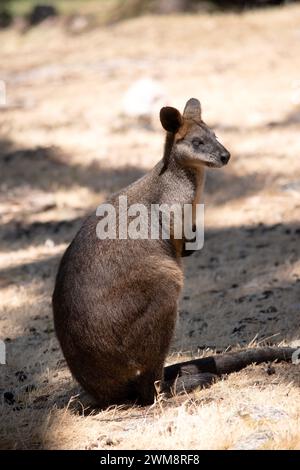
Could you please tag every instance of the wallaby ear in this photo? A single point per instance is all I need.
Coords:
(192, 109)
(170, 119)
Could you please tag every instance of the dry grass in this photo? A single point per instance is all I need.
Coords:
(63, 147)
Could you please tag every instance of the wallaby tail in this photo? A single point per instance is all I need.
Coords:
(186, 376)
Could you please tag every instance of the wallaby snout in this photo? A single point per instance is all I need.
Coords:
(225, 157)
(222, 156)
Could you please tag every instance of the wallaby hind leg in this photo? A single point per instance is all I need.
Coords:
(145, 387)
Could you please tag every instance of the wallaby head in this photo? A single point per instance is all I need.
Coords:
(190, 142)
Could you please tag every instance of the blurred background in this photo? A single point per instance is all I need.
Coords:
(81, 85)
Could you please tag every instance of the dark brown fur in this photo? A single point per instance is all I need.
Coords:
(115, 301)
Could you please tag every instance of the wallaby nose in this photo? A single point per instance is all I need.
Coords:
(225, 156)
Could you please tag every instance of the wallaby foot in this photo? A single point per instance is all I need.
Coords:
(188, 383)
(186, 376)
(145, 387)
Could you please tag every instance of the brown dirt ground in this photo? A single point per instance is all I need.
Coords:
(64, 147)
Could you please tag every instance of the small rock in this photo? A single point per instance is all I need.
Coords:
(49, 243)
(21, 375)
(9, 398)
(270, 370)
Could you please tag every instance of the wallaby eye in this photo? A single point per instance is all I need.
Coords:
(197, 142)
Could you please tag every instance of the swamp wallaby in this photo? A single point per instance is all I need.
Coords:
(115, 300)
